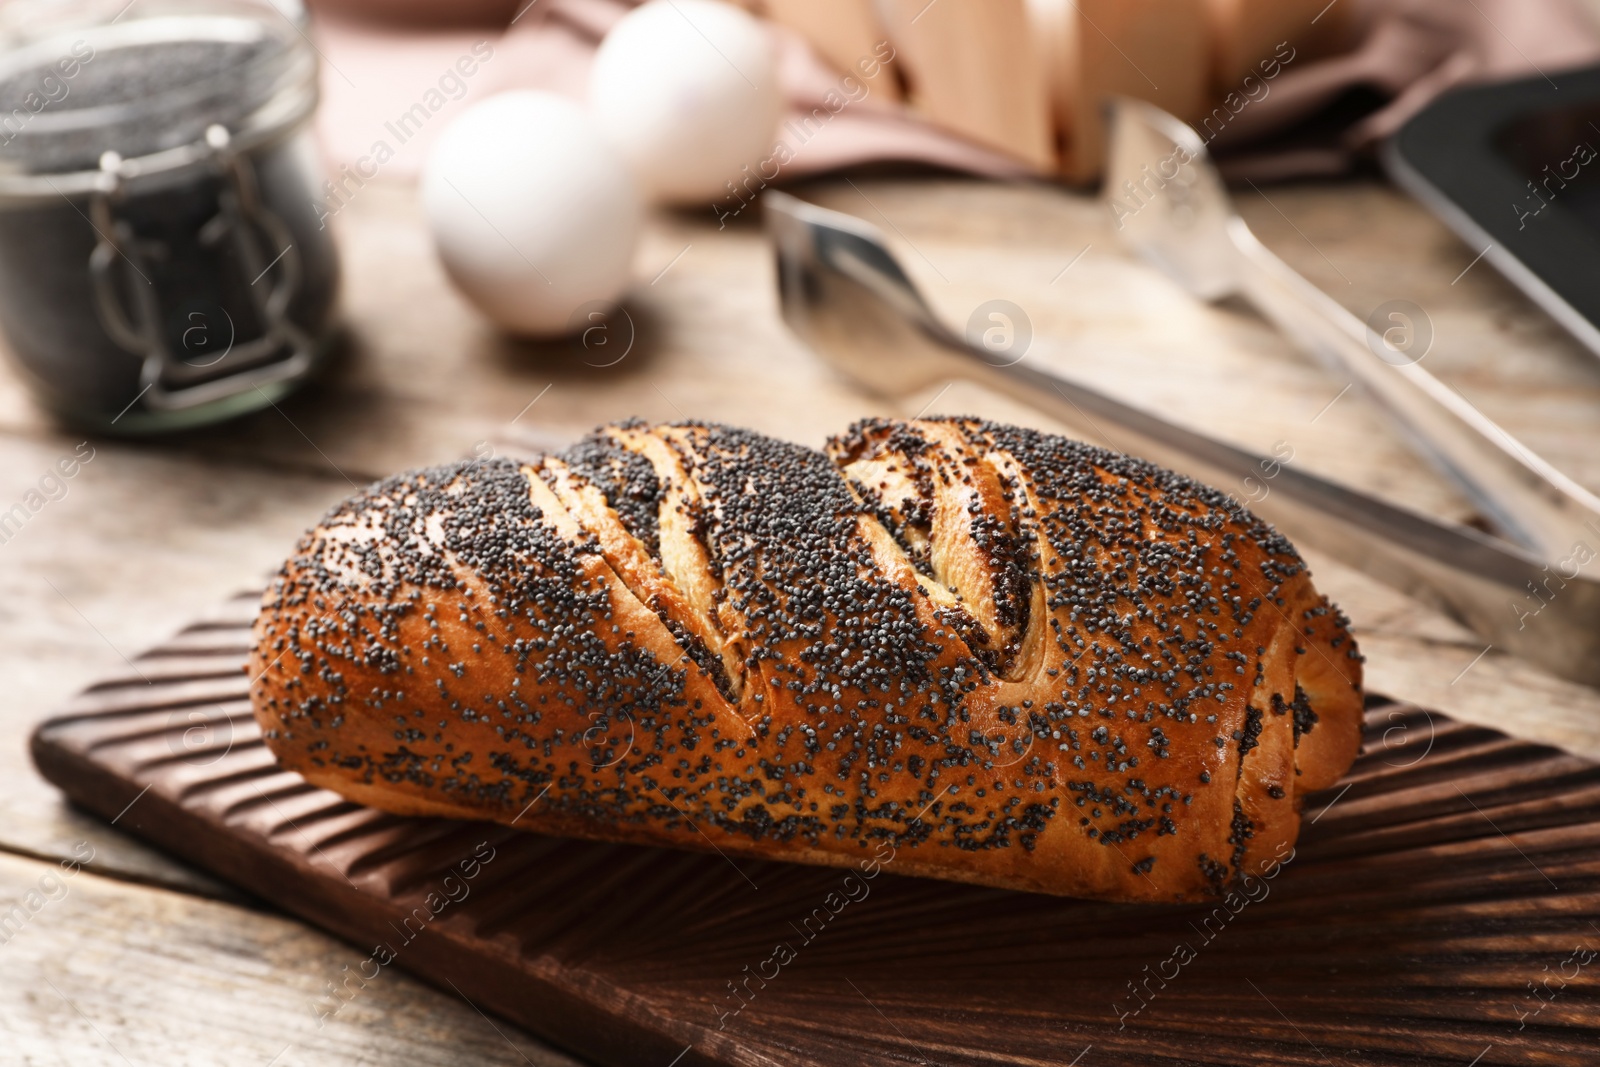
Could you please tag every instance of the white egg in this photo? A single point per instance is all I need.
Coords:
(532, 212)
(687, 92)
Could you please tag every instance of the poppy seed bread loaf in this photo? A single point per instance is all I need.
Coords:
(1015, 659)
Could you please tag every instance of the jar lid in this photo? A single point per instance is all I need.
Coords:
(144, 80)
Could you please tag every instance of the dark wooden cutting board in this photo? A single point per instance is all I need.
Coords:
(1443, 907)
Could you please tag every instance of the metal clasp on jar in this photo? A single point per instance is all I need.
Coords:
(239, 224)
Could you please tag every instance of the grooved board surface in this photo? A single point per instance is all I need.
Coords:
(1443, 904)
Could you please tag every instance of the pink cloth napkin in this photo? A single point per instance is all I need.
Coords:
(1405, 53)
(1320, 118)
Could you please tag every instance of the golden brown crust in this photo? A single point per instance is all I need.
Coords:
(1019, 660)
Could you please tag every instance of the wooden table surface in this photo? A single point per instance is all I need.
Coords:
(138, 959)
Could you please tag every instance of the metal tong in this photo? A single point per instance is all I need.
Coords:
(844, 294)
(1173, 210)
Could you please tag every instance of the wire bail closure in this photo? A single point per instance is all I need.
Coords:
(240, 222)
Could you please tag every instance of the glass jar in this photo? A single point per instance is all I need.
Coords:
(162, 263)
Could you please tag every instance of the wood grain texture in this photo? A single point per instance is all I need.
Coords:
(1451, 869)
(107, 974)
